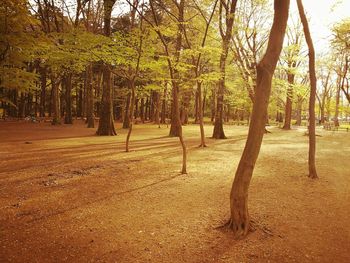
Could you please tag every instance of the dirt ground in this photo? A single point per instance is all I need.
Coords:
(67, 195)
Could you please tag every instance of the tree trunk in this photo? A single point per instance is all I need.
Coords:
(136, 115)
(175, 125)
(90, 98)
(313, 83)
(156, 102)
(21, 106)
(43, 91)
(196, 107)
(184, 108)
(106, 122)
(79, 101)
(147, 109)
(265, 70)
(131, 113)
(218, 132)
(142, 110)
(289, 103)
(68, 83)
(213, 106)
(55, 102)
(337, 100)
(200, 114)
(163, 115)
(299, 111)
(126, 119)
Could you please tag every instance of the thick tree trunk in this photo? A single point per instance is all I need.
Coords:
(175, 125)
(68, 98)
(106, 122)
(313, 83)
(90, 98)
(184, 108)
(265, 69)
(55, 102)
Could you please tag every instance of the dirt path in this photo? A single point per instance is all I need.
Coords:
(69, 196)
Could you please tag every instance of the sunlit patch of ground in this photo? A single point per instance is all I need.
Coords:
(67, 195)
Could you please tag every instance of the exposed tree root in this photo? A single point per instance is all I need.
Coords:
(240, 232)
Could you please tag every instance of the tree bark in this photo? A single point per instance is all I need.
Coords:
(313, 83)
(289, 103)
(142, 110)
(126, 119)
(90, 98)
(163, 115)
(299, 111)
(265, 69)
(200, 114)
(156, 102)
(106, 122)
(196, 107)
(130, 115)
(55, 102)
(218, 132)
(68, 83)
(336, 115)
(43, 91)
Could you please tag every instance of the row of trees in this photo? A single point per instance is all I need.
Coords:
(172, 60)
(54, 57)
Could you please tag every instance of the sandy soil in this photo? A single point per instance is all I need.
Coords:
(69, 196)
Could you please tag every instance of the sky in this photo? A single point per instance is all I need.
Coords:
(323, 14)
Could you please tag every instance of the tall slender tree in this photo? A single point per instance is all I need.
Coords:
(239, 222)
(313, 83)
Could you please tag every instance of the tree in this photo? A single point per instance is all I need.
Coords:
(198, 67)
(134, 75)
(239, 222)
(341, 45)
(173, 61)
(106, 123)
(293, 62)
(313, 83)
(227, 11)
